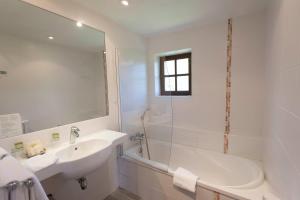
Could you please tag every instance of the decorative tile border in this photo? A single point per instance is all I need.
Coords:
(228, 86)
(217, 196)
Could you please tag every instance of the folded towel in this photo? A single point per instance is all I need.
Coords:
(12, 170)
(11, 125)
(39, 162)
(34, 148)
(185, 179)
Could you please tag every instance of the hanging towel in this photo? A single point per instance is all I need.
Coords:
(185, 179)
(12, 170)
(10, 125)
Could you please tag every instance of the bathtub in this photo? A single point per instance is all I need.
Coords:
(213, 169)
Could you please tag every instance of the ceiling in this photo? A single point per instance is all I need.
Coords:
(152, 16)
(29, 22)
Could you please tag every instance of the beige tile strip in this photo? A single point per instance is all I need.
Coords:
(217, 196)
(228, 86)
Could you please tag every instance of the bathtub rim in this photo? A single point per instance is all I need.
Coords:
(232, 192)
(168, 169)
(234, 195)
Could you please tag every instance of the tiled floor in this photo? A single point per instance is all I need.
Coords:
(122, 194)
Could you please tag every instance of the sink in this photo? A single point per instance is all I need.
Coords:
(82, 158)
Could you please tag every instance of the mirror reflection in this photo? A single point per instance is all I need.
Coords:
(52, 70)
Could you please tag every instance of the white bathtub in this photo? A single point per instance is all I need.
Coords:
(212, 168)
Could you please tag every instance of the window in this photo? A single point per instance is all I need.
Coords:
(175, 75)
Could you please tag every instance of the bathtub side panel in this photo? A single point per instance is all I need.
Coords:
(149, 184)
(205, 194)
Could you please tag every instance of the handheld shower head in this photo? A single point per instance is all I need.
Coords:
(145, 133)
(144, 114)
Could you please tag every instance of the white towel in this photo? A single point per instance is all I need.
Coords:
(185, 179)
(12, 170)
(11, 125)
(39, 162)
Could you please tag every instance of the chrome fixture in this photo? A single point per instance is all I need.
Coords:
(29, 183)
(74, 134)
(12, 186)
(138, 138)
(144, 128)
(83, 183)
(50, 197)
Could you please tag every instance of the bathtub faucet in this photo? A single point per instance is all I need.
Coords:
(139, 137)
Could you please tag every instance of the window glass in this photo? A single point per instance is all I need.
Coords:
(176, 75)
(183, 83)
(169, 68)
(183, 66)
(170, 84)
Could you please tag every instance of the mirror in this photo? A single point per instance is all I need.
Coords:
(52, 70)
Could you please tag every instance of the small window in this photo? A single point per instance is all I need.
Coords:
(175, 75)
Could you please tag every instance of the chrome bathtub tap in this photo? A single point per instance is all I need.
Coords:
(138, 138)
(74, 134)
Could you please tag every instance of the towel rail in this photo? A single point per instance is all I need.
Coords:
(29, 183)
(12, 186)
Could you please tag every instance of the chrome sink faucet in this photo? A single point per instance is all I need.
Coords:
(74, 134)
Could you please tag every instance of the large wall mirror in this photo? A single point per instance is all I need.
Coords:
(52, 70)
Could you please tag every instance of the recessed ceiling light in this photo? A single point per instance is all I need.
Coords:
(79, 24)
(50, 37)
(125, 3)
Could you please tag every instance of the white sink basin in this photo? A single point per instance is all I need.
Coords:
(82, 158)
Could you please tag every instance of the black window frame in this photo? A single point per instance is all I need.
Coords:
(163, 76)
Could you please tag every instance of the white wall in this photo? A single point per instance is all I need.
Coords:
(49, 84)
(199, 119)
(248, 85)
(132, 52)
(282, 125)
